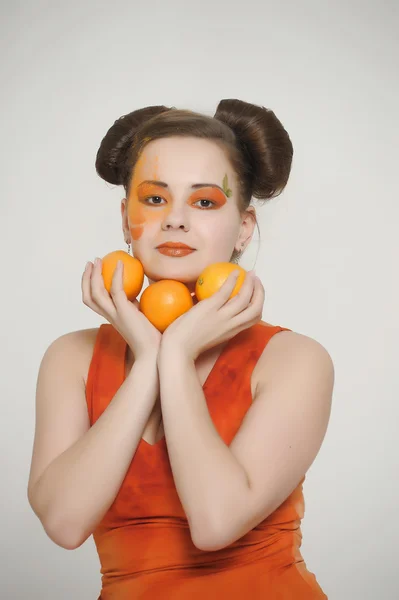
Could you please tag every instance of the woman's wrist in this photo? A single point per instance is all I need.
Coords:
(146, 356)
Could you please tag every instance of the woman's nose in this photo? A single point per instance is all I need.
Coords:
(175, 218)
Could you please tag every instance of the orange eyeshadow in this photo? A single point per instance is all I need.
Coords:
(148, 189)
(140, 215)
(209, 193)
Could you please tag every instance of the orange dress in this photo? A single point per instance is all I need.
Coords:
(144, 542)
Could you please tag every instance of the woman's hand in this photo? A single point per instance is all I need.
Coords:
(124, 315)
(217, 319)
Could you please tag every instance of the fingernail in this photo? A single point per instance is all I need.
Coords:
(87, 265)
(97, 261)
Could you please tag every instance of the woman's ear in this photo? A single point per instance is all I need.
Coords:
(247, 228)
(125, 220)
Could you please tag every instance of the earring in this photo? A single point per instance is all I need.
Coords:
(128, 247)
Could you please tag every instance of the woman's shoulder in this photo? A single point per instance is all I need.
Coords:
(289, 338)
(78, 345)
(282, 348)
(84, 339)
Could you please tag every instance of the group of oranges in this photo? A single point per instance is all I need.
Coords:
(164, 301)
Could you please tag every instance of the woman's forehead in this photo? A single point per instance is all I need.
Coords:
(189, 156)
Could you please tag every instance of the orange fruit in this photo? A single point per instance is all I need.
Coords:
(133, 272)
(213, 277)
(164, 301)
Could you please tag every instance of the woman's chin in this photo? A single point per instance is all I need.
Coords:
(188, 281)
(153, 278)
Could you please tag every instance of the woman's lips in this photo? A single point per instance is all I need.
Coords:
(169, 251)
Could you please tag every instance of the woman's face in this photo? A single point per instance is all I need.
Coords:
(183, 190)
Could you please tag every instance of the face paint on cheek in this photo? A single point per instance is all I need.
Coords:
(141, 215)
(135, 217)
(226, 188)
(135, 213)
(136, 230)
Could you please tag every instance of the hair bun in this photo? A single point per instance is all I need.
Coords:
(264, 142)
(114, 148)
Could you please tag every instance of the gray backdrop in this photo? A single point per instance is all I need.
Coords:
(329, 248)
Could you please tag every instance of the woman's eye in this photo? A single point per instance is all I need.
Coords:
(156, 197)
(205, 200)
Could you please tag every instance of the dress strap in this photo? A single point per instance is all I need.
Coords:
(106, 371)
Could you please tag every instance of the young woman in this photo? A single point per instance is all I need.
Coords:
(184, 453)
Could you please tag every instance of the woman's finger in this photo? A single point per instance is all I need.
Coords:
(240, 301)
(253, 312)
(118, 294)
(86, 290)
(222, 295)
(100, 295)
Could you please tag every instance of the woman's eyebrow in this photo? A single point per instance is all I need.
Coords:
(194, 186)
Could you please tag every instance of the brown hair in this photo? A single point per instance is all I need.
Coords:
(256, 143)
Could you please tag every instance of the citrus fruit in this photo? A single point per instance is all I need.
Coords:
(213, 277)
(164, 301)
(133, 272)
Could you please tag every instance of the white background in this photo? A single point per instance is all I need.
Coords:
(327, 259)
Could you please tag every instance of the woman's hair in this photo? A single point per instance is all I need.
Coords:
(255, 141)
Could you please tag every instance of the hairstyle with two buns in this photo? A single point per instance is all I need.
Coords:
(255, 141)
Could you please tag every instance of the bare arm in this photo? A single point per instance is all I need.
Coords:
(77, 470)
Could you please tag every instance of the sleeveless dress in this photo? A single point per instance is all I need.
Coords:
(143, 541)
